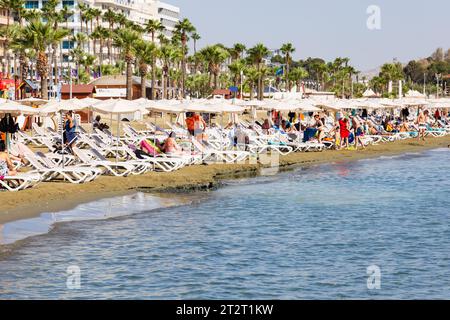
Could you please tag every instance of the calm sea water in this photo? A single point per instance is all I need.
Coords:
(307, 234)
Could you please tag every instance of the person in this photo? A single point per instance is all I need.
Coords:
(437, 115)
(405, 114)
(266, 126)
(344, 132)
(98, 125)
(170, 146)
(70, 128)
(286, 126)
(6, 166)
(195, 124)
(422, 123)
(358, 131)
(320, 127)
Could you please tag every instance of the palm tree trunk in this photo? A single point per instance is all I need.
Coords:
(143, 72)
(129, 80)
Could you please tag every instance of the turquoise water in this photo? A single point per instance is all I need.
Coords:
(306, 234)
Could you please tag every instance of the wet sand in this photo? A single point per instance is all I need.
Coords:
(58, 196)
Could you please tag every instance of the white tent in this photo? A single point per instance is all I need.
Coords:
(414, 94)
(369, 93)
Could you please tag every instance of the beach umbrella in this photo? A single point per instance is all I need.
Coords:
(59, 107)
(119, 107)
(32, 101)
(17, 108)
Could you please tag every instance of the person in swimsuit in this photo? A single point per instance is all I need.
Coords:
(422, 122)
(358, 131)
(320, 128)
(170, 145)
(6, 166)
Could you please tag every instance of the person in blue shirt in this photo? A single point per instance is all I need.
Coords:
(70, 129)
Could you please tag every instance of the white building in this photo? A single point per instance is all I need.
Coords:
(169, 16)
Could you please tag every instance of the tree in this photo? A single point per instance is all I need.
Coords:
(183, 28)
(169, 54)
(40, 36)
(145, 55)
(257, 54)
(237, 51)
(195, 37)
(110, 17)
(297, 75)
(125, 39)
(252, 76)
(288, 49)
(438, 55)
(11, 7)
(236, 68)
(152, 27)
(214, 57)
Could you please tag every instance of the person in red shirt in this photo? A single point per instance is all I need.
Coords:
(344, 132)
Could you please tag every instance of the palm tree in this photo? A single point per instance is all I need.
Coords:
(53, 16)
(237, 51)
(288, 49)
(256, 56)
(125, 39)
(110, 17)
(195, 37)
(152, 27)
(214, 57)
(66, 13)
(145, 55)
(252, 76)
(11, 7)
(83, 8)
(169, 54)
(236, 68)
(183, 28)
(297, 75)
(40, 36)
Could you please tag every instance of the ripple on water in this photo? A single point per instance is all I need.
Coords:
(306, 234)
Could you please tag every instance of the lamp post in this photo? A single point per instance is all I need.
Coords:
(438, 77)
(242, 84)
(69, 58)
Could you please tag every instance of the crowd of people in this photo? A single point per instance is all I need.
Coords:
(345, 128)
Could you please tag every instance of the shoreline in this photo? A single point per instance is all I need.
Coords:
(58, 196)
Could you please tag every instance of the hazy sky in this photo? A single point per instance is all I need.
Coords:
(326, 28)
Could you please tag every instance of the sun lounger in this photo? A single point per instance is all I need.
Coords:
(19, 182)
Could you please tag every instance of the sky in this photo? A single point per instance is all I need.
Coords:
(408, 29)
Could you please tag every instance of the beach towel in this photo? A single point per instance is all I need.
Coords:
(149, 147)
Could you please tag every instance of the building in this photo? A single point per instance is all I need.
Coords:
(3, 22)
(169, 16)
(137, 11)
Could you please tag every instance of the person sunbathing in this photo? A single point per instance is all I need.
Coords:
(6, 166)
(171, 146)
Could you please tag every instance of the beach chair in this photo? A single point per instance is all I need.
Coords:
(92, 158)
(49, 172)
(19, 182)
(210, 154)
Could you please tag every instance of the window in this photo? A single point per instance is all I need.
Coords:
(68, 44)
(32, 5)
(68, 3)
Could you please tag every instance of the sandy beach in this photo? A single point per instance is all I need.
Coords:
(61, 196)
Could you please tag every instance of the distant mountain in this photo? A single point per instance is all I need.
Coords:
(369, 74)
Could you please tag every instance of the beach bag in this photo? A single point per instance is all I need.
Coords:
(149, 147)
